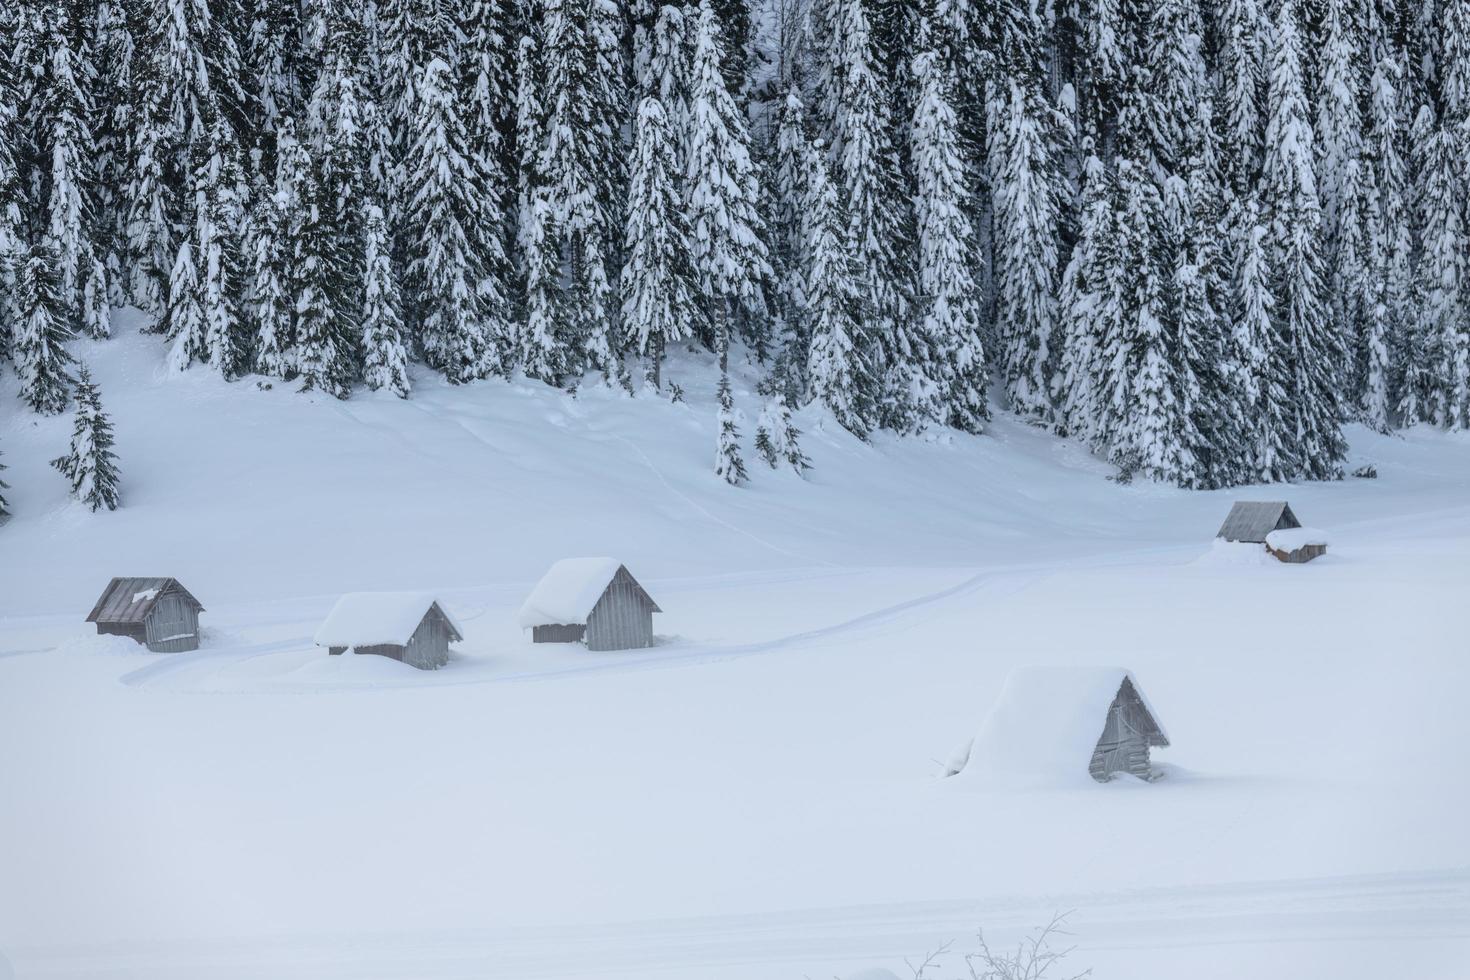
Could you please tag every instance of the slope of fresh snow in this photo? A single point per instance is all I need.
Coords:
(372, 618)
(755, 797)
(568, 591)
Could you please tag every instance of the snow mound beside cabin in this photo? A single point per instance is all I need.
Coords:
(568, 591)
(1229, 553)
(1043, 728)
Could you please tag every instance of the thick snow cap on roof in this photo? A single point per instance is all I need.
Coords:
(361, 619)
(568, 591)
(1290, 539)
(1045, 726)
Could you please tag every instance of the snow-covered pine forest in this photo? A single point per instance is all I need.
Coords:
(1199, 237)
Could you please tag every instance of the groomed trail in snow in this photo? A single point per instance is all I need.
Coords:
(755, 797)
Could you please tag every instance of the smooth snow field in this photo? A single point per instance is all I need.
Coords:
(758, 796)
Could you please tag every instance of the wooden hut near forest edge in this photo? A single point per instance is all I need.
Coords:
(157, 612)
(1273, 525)
(595, 600)
(1052, 724)
(407, 626)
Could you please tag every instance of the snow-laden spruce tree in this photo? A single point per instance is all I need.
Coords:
(1308, 353)
(581, 173)
(12, 197)
(1389, 247)
(1339, 128)
(41, 334)
(1026, 200)
(4, 504)
(668, 68)
(338, 144)
(787, 219)
(272, 57)
(114, 112)
(90, 465)
(445, 267)
(321, 330)
(151, 199)
(839, 373)
(385, 361)
(1241, 91)
(486, 89)
(96, 308)
(219, 221)
(1148, 440)
(67, 144)
(657, 280)
(1254, 337)
(729, 466)
(726, 232)
(777, 437)
(1090, 312)
(183, 318)
(543, 351)
(1438, 390)
(1172, 96)
(1212, 386)
(270, 306)
(948, 296)
(865, 164)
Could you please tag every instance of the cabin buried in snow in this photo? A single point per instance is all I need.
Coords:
(407, 626)
(595, 600)
(1273, 525)
(157, 612)
(1051, 725)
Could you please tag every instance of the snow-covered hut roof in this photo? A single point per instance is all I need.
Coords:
(361, 619)
(1252, 520)
(568, 591)
(1046, 724)
(129, 600)
(1292, 538)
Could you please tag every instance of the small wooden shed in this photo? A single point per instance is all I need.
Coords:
(595, 600)
(1273, 525)
(157, 612)
(407, 626)
(1051, 724)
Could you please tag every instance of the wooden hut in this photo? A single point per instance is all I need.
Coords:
(1297, 544)
(1052, 724)
(157, 612)
(1264, 521)
(407, 626)
(595, 600)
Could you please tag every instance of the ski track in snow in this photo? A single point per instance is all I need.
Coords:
(1411, 909)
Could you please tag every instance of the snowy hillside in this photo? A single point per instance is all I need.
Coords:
(756, 796)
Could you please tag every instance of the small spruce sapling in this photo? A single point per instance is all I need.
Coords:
(4, 504)
(90, 466)
(728, 464)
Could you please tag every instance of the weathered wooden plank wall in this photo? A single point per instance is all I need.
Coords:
(622, 618)
(172, 626)
(568, 633)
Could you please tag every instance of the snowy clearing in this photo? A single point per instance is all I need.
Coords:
(756, 796)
